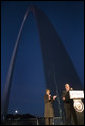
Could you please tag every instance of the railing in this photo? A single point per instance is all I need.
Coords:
(32, 121)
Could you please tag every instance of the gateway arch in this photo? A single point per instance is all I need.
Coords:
(58, 67)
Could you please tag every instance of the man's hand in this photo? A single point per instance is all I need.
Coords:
(54, 97)
(63, 98)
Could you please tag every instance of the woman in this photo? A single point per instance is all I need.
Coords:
(49, 112)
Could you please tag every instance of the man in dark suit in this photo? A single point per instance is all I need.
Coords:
(49, 111)
(68, 106)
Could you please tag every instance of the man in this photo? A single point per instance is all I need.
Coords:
(49, 112)
(68, 106)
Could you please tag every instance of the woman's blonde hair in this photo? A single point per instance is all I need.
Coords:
(47, 90)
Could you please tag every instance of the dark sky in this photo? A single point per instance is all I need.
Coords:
(28, 84)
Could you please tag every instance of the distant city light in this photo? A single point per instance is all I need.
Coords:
(16, 111)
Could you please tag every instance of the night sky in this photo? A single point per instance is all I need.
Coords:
(28, 84)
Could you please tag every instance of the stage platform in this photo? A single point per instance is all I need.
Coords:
(29, 120)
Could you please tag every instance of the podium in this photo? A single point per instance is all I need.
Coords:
(78, 96)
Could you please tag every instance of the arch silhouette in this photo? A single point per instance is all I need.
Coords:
(7, 88)
(58, 66)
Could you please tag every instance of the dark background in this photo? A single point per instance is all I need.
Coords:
(28, 85)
